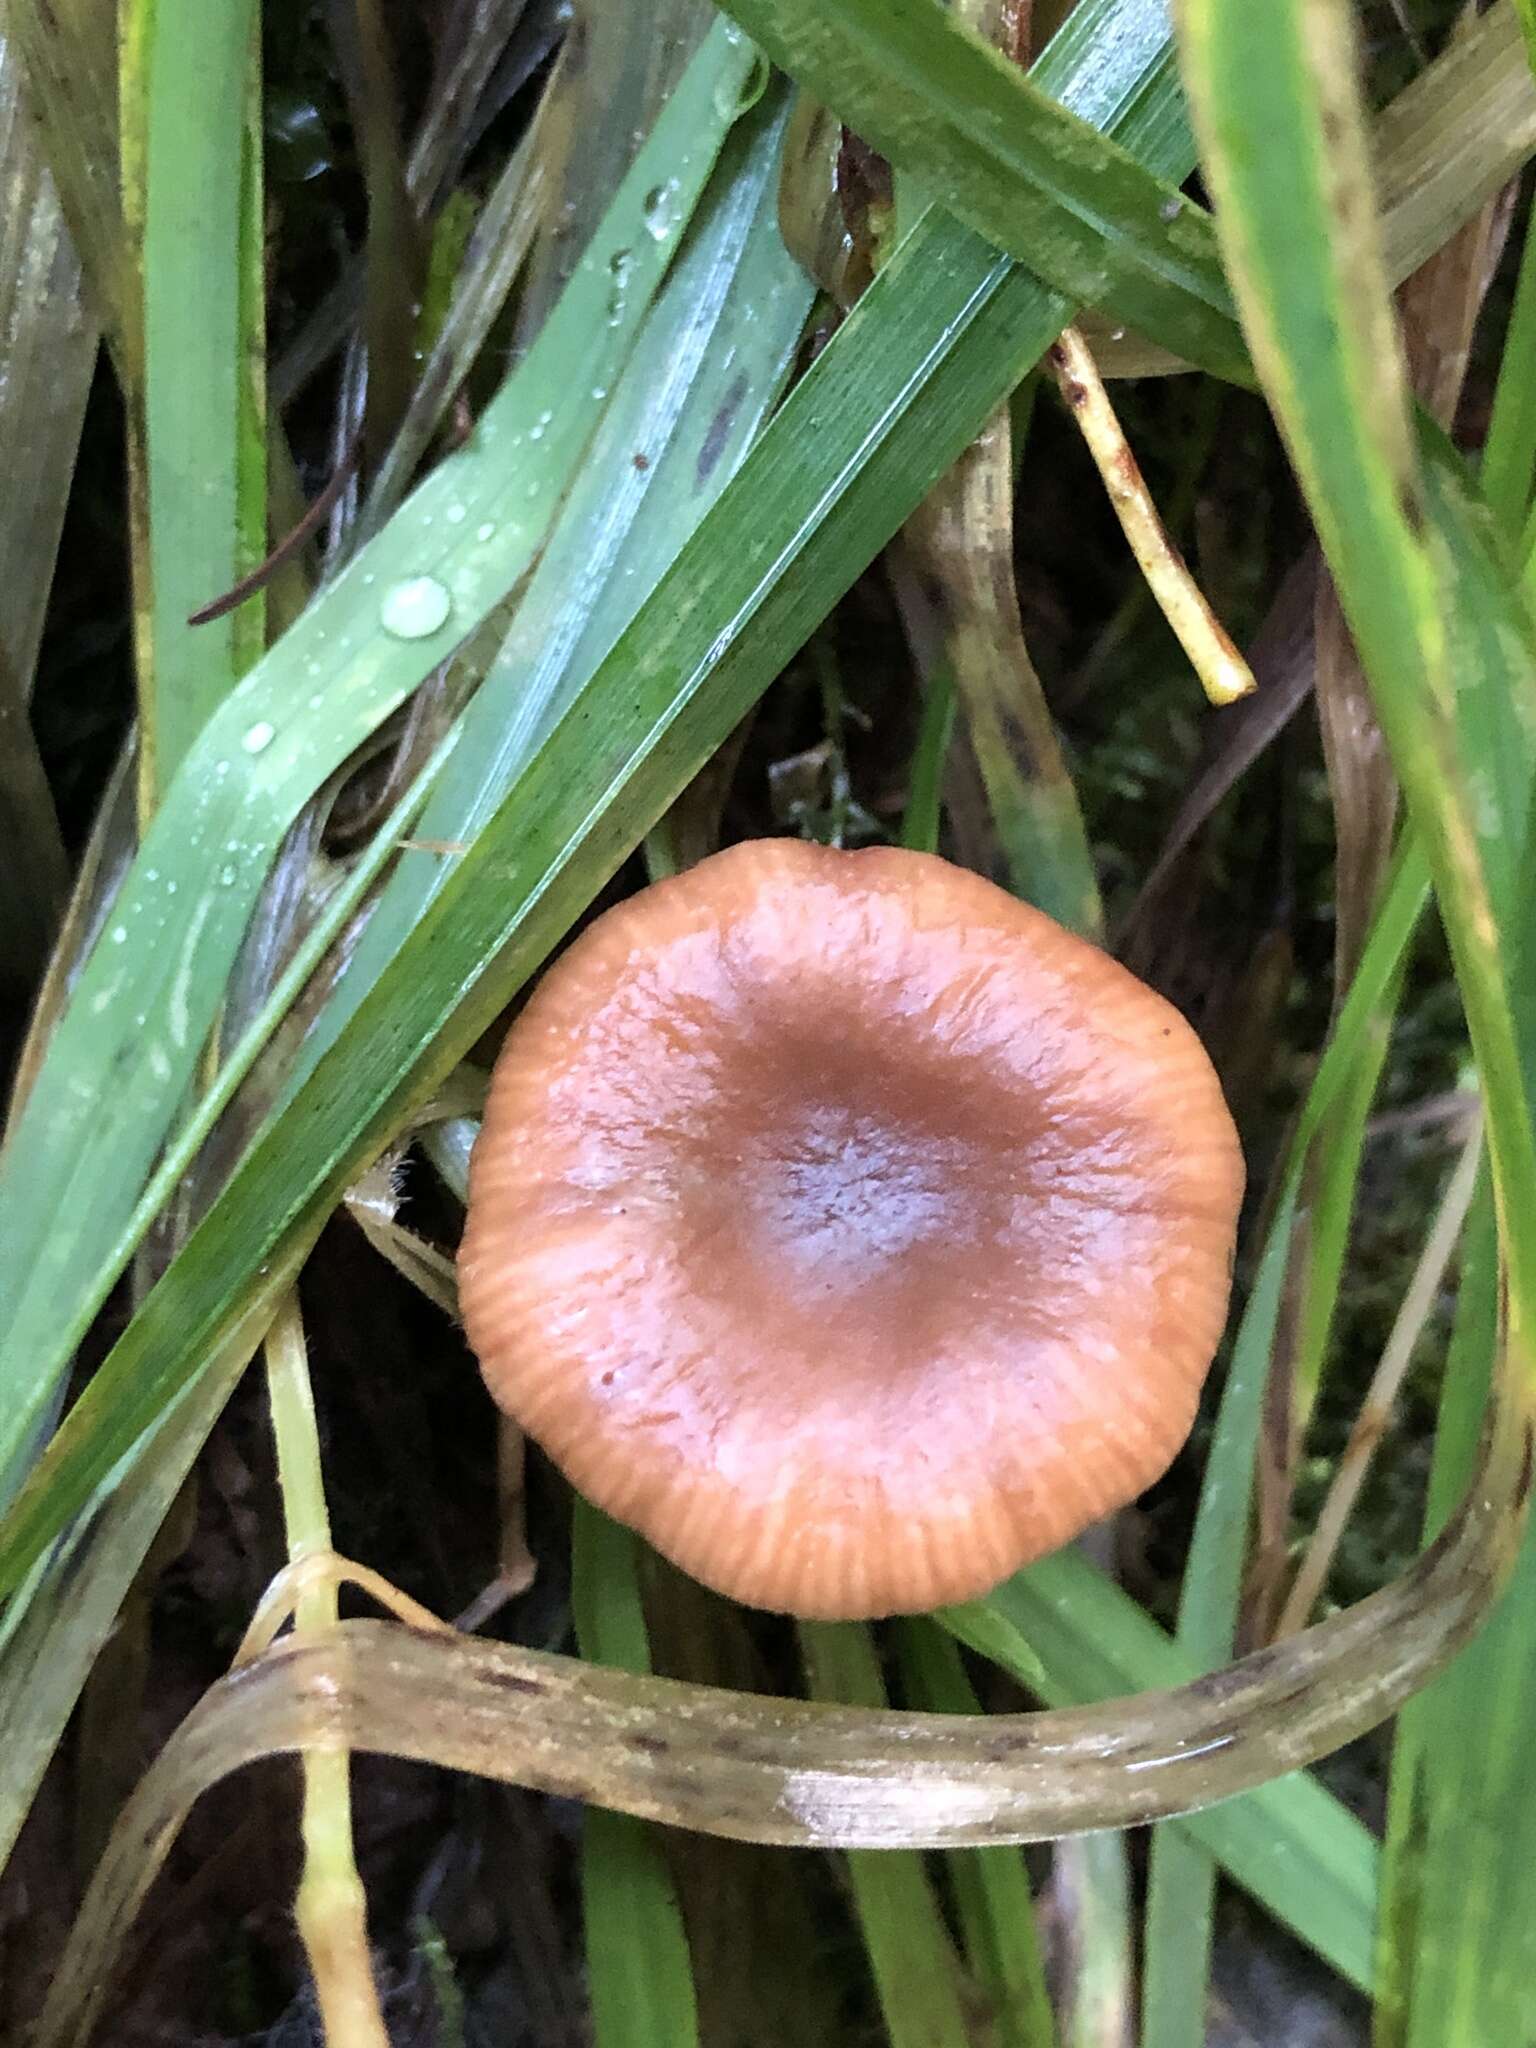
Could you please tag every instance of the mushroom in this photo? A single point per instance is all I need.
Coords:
(848, 1228)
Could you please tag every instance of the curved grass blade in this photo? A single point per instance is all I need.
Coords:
(787, 1771)
(1012, 163)
(128, 1044)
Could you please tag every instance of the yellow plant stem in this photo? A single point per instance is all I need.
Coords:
(329, 1908)
(1224, 674)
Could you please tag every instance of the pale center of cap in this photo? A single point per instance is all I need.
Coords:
(840, 1189)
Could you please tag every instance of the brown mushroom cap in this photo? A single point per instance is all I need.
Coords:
(848, 1228)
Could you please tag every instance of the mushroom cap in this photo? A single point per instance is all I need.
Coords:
(849, 1228)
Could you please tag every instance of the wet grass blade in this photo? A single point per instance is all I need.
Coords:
(1012, 163)
(639, 1976)
(706, 368)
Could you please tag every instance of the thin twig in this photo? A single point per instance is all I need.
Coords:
(1224, 674)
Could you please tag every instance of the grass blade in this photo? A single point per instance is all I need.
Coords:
(639, 1976)
(916, 1970)
(193, 199)
(1031, 177)
(991, 1886)
(706, 368)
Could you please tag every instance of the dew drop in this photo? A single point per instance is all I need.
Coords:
(486, 531)
(118, 934)
(657, 210)
(259, 737)
(1171, 208)
(415, 608)
(619, 265)
(227, 876)
(455, 515)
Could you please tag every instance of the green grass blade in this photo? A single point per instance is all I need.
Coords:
(925, 781)
(192, 195)
(1011, 163)
(851, 451)
(639, 1977)
(152, 986)
(993, 1907)
(916, 1970)
(1509, 454)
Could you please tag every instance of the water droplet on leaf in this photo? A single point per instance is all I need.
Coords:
(415, 608)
